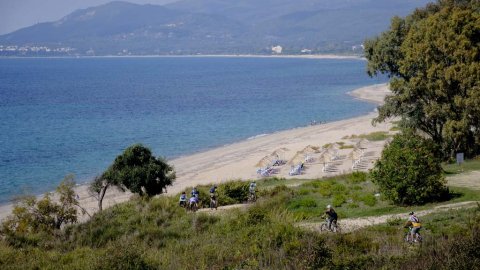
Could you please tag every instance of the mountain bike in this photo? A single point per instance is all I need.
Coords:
(213, 202)
(333, 228)
(252, 197)
(192, 207)
(408, 237)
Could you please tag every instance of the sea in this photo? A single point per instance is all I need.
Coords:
(61, 116)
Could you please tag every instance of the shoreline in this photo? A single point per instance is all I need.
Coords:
(292, 56)
(237, 160)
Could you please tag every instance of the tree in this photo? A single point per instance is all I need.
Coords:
(408, 172)
(433, 60)
(30, 215)
(99, 186)
(138, 171)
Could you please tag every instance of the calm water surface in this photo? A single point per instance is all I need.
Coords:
(61, 116)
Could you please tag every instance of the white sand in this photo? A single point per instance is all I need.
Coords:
(238, 160)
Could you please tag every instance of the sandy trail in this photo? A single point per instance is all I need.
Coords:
(352, 224)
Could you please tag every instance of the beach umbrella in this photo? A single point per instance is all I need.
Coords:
(362, 144)
(334, 146)
(297, 159)
(282, 149)
(355, 154)
(310, 149)
(328, 156)
(264, 162)
(321, 160)
(279, 153)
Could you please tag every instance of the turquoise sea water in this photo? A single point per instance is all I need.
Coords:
(61, 116)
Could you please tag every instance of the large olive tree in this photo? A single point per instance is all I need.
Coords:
(433, 60)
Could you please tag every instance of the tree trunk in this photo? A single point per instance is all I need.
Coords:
(100, 198)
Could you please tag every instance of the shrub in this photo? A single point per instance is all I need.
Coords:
(303, 203)
(369, 200)
(357, 177)
(408, 173)
(325, 188)
(338, 200)
(256, 215)
(120, 255)
(353, 205)
(237, 191)
(31, 219)
(394, 221)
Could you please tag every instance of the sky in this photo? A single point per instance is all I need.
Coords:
(16, 14)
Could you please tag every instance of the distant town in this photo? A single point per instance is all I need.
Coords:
(41, 50)
(14, 50)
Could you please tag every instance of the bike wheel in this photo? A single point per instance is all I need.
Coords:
(407, 238)
(323, 227)
(419, 238)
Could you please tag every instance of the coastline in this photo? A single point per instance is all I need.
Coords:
(238, 160)
(293, 56)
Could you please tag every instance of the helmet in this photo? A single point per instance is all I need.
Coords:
(411, 213)
(329, 206)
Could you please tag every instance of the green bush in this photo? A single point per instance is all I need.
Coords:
(122, 255)
(237, 191)
(256, 215)
(369, 199)
(394, 221)
(325, 188)
(303, 203)
(357, 177)
(338, 200)
(353, 205)
(408, 172)
(339, 188)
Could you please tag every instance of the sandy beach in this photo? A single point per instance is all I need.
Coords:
(240, 160)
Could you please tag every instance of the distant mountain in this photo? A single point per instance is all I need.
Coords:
(209, 27)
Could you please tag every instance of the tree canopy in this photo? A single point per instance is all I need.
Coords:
(139, 171)
(433, 60)
(31, 215)
(408, 173)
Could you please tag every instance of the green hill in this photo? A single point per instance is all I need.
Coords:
(211, 27)
(158, 234)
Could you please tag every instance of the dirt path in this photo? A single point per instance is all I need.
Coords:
(352, 224)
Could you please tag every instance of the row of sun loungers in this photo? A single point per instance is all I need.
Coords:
(296, 170)
(266, 172)
(329, 156)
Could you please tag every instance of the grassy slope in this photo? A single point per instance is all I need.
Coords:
(157, 234)
(467, 166)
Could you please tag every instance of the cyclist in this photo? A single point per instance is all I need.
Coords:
(195, 192)
(332, 216)
(413, 223)
(183, 199)
(252, 189)
(213, 197)
(193, 203)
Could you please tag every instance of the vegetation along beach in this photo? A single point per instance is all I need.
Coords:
(271, 172)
